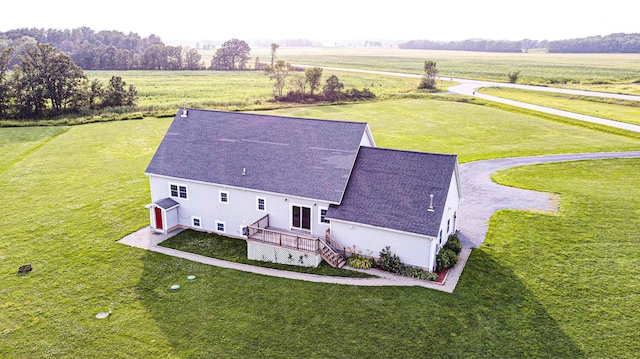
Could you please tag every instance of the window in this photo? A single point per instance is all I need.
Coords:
(224, 196)
(220, 226)
(178, 191)
(448, 224)
(441, 236)
(323, 214)
(197, 222)
(261, 204)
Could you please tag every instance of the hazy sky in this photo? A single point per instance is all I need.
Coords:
(329, 20)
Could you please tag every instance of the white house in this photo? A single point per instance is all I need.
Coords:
(300, 190)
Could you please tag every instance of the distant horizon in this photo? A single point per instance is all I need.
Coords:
(335, 21)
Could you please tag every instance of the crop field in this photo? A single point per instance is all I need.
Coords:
(618, 110)
(541, 286)
(539, 68)
(232, 89)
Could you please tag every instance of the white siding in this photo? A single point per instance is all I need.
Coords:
(414, 250)
(451, 208)
(203, 201)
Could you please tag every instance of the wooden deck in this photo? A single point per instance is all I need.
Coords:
(260, 231)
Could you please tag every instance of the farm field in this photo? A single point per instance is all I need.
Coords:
(76, 190)
(232, 89)
(582, 70)
(623, 111)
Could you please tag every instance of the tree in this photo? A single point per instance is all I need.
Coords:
(278, 73)
(513, 76)
(429, 79)
(96, 91)
(274, 47)
(48, 74)
(313, 76)
(192, 59)
(115, 94)
(5, 59)
(332, 89)
(232, 55)
(132, 96)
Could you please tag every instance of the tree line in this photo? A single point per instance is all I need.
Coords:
(614, 43)
(105, 50)
(47, 83)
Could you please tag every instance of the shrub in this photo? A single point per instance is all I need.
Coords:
(389, 262)
(453, 243)
(446, 258)
(359, 261)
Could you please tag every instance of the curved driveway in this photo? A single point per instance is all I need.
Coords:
(469, 88)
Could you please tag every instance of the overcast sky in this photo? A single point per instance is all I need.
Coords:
(331, 20)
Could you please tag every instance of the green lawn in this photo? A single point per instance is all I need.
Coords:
(235, 250)
(618, 110)
(473, 132)
(71, 196)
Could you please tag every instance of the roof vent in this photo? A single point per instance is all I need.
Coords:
(430, 209)
(184, 108)
(244, 171)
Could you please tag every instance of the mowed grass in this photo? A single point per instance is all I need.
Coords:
(235, 250)
(539, 68)
(620, 110)
(584, 263)
(472, 132)
(73, 197)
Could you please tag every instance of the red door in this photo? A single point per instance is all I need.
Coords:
(158, 218)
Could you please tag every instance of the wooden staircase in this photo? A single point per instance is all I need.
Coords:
(332, 252)
(331, 256)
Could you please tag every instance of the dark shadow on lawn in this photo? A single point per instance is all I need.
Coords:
(227, 313)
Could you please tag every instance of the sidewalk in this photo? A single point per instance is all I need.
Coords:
(144, 238)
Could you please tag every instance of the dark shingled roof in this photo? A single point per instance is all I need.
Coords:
(166, 203)
(391, 188)
(292, 156)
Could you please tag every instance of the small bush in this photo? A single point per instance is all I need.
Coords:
(453, 243)
(359, 261)
(446, 258)
(390, 262)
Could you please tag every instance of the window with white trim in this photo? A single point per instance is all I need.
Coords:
(223, 196)
(221, 226)
(448, 224)
(196, 222)
(178, 191)
(323, 216)
(261, 204)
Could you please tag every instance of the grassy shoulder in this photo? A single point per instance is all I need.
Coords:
(235, 250)
(471, 131)
(617, 110)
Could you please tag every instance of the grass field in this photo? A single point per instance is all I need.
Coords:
(568, 291)
(473, 132)
(619, 110)
(232, 89)
(539, 68)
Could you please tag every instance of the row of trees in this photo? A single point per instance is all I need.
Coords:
(614, 43)
(105, 50)
(47, 83)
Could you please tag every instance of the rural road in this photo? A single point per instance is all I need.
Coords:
(469, 88)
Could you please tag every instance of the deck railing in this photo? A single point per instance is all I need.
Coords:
(337, 247)
(258, 231)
